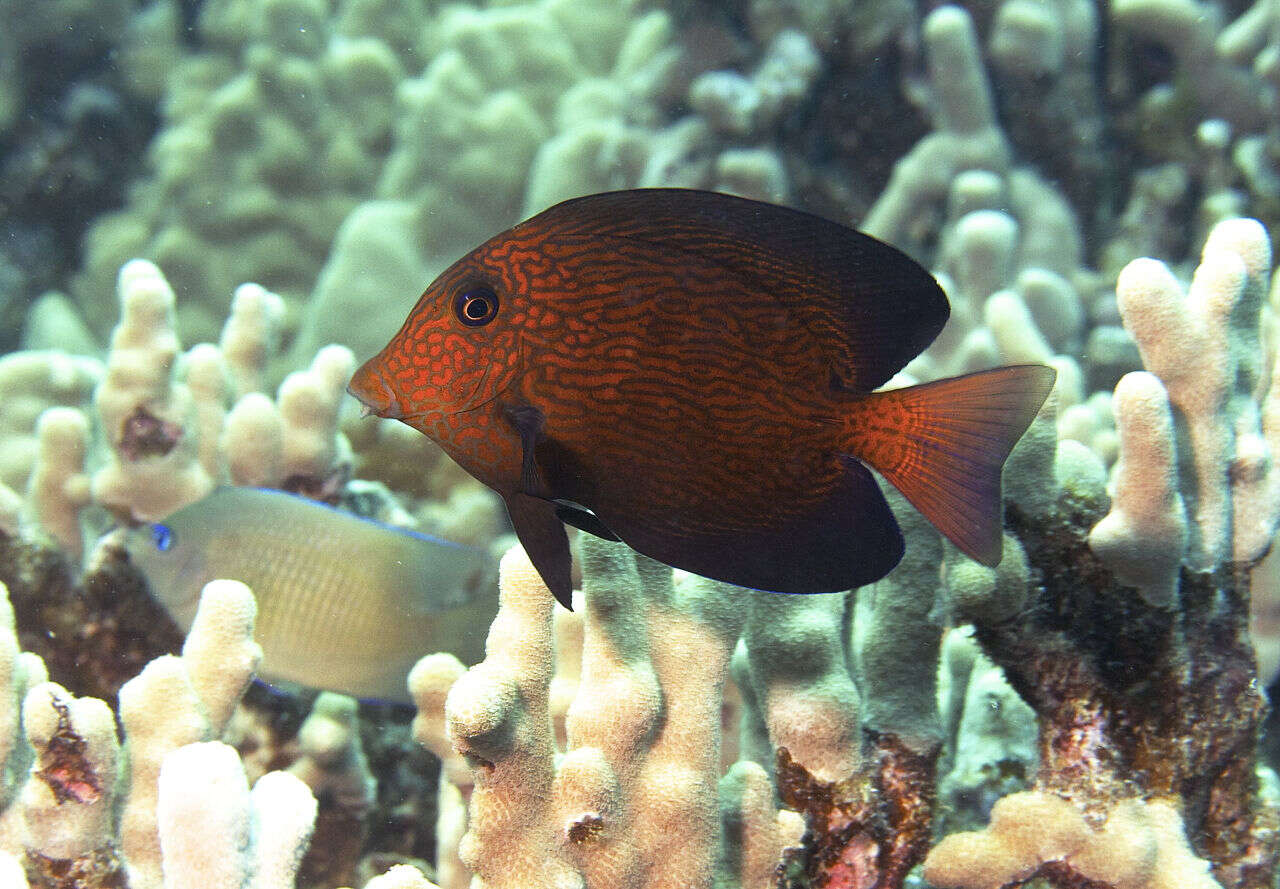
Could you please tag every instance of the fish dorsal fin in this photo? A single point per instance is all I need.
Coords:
(871, 307)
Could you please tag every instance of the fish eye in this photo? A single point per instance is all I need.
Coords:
(476, 306)
(162, 536)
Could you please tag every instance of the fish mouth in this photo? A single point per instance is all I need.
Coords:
(371, 388)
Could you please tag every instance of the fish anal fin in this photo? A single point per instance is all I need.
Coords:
(541, 533)
(943, 445)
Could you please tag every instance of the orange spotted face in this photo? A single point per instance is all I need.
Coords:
(444, 373)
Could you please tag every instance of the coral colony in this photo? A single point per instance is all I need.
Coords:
(1092, 712)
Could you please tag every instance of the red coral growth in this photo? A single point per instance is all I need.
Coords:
(143, 434)
(905, 784)
(63, 766)
(869, 829)
(838, 850)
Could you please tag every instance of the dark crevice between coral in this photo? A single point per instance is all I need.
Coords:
(1070, 146)
(1062, 875)
(843, 141)
(68, 158)
(402, 825)
(1270, 750)
(339, 836)
(94, 634)
(189, 10)
(1076, 596)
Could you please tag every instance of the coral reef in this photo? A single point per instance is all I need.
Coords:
(1122, 715)
(1096, 187)
(187, 816)
(164, 426)
(632, 800)
(1139, 844)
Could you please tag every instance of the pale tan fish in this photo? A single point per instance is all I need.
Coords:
(344, 603)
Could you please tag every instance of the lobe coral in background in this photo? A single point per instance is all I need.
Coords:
(1086, 714)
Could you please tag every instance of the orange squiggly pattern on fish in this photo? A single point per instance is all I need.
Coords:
(697, 371)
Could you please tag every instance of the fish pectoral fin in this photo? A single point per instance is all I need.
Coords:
(584, 520)
(529, 422)
(542, 535)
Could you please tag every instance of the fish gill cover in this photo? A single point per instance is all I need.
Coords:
(1091, 185)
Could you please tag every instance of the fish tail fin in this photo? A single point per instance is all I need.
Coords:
(943, 445)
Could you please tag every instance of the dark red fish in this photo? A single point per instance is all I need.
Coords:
(692, 373)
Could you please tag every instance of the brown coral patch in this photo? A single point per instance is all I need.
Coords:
(94, 635)
(585, 827)
(1061, 875)
(1134, 700)
(63, 765)
(867, 830)
(143, 434)
(100, 869)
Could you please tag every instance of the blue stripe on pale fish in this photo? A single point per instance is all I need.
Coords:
(344, 603)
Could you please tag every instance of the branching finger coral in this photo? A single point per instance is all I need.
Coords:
(1147, 730)
(633, 800)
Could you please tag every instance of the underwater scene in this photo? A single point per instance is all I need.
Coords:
(639, 444)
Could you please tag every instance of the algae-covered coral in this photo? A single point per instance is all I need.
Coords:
(212, 209)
